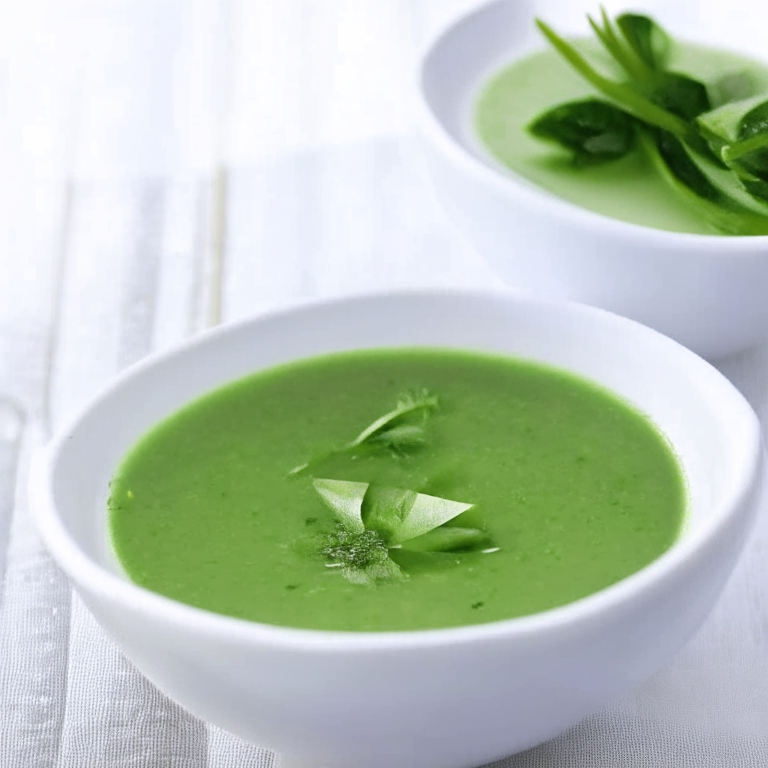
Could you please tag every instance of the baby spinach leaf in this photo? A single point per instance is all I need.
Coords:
(384, 509)
(681, 95)
(594, 130)
(757, 188)
(754, 122)
(739, 133)
(751, 149)
(449, 539)
(717, 159)
(646, 38)
(623, 95)
(680, 164)
(721, 210)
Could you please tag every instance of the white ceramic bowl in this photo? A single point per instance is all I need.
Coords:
(707, 292)
(447, 698)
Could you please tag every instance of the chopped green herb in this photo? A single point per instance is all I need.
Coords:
(355, 550)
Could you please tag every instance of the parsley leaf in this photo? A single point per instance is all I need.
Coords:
(390, 430)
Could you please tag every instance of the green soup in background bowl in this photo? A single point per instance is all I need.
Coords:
(455, 696)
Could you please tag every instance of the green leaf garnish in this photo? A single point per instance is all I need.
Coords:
(363, 557)
(647, 39)
(594, 130)
(623, 95)
(344, 499)
(408, 403)
(714, 205)
(716, 159)
(384, 509)
(373, 518)
(390, 430)
(739, 133)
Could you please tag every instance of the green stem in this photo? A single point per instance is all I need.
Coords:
(627, 98)
(727, 215)
(624, 54)
(733, 152)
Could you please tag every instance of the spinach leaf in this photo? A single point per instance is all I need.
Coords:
(752, 143)
(625, 96)
(717, 159)
(647, 39)
(721, 209)
(682, 166)
(681, 95)
(739, 133)
(594, 130)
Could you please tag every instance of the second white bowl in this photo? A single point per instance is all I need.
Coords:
(707, 292)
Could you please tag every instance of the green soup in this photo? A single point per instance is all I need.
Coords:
(629, 189)
(573, 488)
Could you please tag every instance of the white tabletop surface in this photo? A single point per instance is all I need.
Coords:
(166, 165)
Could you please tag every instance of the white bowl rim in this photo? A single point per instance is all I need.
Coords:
(82, 569)
(556, 206)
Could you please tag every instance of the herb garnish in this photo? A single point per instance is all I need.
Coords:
(374, 519)
(394, 431)
(713, 151)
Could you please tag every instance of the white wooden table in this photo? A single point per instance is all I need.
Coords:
(166, 165)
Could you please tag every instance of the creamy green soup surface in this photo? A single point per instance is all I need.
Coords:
(574, 488)
(629, 189)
